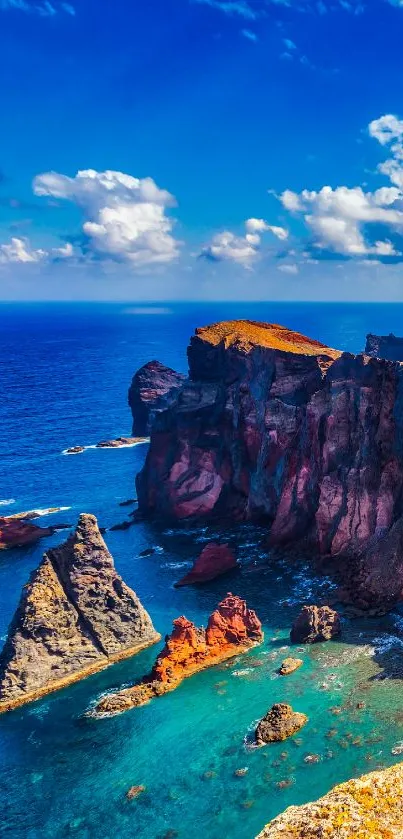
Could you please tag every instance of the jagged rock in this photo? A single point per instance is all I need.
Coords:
(232, 628)
(276, 427)
(120, 442)
(152, 389)
(75, 616)
(315, 623)
(369, 807)
(213, 561)
(289, 665)
(122, 525)
(278, 724)
(385, 346)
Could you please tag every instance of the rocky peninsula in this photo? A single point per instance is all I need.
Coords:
(369, 807)
(276, 427)
(232, 629)
(75, 617)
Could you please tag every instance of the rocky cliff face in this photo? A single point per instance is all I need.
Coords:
(385, 346)
(232, 628)
(75, 616)
(367, 808)
(151, 390)
(273, 425)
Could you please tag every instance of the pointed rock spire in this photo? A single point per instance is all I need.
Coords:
(75, 616)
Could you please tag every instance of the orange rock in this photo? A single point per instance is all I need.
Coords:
(134, 792)
(213, 561)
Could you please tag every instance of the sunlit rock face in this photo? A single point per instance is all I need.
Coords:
(276, 426)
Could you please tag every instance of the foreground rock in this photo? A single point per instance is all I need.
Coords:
(231, 629)
(213, 561)
(367, 808)
(315, 623)
(16, 531)
(153, 388)
(278, 724)
(290, 665)
(121, 442)
(75, 616)
(385, 346)
(274, 426)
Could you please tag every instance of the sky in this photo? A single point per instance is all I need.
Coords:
(201, 149)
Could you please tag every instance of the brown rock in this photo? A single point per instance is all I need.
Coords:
(278, 724)
(213, 561)
(75, 450)
(75, 616)
(289, 665)
(232, 628)
(118, 442)
(135, 791)
(315, 623)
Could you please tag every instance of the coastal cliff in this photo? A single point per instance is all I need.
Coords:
(75, 616)
(277, 427)
(151, 390)
(366, 808)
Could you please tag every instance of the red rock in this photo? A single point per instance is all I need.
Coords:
(213, 561)
(315, 623)
(231, 629)
(17, 532)
(152, 389)
(275, 426)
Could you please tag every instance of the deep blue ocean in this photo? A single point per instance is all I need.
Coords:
(65, 370)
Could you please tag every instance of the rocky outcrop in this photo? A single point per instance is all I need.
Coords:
(385, 346)
(274, 426)
(232, 628)
(290, 665)
(120, 442)
(16, 531)
(315, 623)
(367, 808)
(75, 616)
(213, 561)
(152, 389)
(278, 724)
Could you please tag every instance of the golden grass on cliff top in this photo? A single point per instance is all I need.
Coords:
(250, 333)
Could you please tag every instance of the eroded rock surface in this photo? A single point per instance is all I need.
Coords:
(75, 616)
(290, 665)
(213, 561)
(152, 389)
(278, 724)
(274, 426)
(385, 346)
(232, 628)
(366, 808)
(315, 623)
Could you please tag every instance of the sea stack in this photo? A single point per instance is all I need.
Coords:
(232, 629)
(153, 388)
(75, 617)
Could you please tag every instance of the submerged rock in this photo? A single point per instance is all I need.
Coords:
(315, 623)
(278, 724)
(75, 450)
(153, 388)
(289, 665)
(369, 807)
(272, 425)
(232, 628)
(120, 442)
(75, 616)
(385, 346)
(213, 561)
(135, 791)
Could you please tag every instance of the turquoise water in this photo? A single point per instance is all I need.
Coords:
(64, 775)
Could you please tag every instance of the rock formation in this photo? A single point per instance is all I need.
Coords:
(315, 623)
(385, 346)
(278, 724)
(290, 665)
(17, 530)
(274, 426)
(120, 442)
(213, 561)
(232, 628)
(75, 616)
(367, 808)
(152, 389)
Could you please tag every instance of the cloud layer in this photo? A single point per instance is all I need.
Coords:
(243, 250)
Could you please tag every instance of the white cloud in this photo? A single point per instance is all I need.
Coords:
(289, 44)
(125, 217)
(232, 7)
(20, 250)
(41, 7)
(289, 268)
(249, 35)
(386, 128)
(244, 250)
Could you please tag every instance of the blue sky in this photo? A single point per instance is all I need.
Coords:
(225, 149)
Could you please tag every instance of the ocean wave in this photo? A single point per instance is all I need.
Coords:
(106, 448)
(47, 511)
(6, 502)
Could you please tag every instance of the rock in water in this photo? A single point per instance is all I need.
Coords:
(231, 629)
(152, 389)
(369, 807)
(385, 346)
(272, 425)
(75, 616)
(290, 665)
(213, 561)
(315, 623)
(278, 724)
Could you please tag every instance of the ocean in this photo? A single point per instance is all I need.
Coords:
(65, 374)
